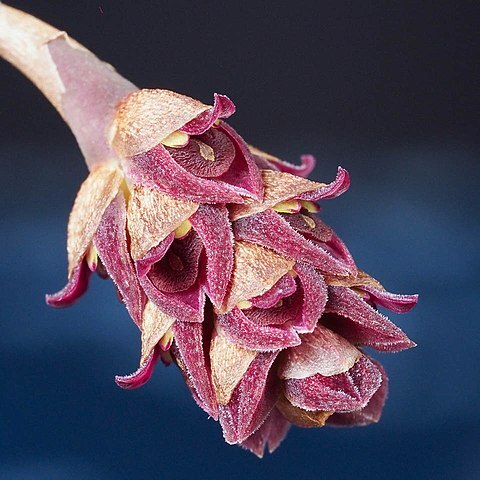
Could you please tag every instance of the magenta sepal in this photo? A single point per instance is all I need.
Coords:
(213, 227)
(347, 391)
(314, 290)
(361, 324)
(332, 190)
(395, 302)
(111, 244)
(185, 306)
(244, 174)
(251, 401)
(157, 169)
(244, 332)
(273, 430)
(285, 287)
(77, 285)
(190, 344)
(142, 375)
(154, 255)
(223, 107)
(322, 233)
(270, 230)
(367, 415)
(277, 315)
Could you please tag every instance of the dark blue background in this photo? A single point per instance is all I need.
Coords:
(389, 90)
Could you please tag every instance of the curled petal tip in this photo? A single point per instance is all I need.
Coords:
(73, 290)
(141, 376)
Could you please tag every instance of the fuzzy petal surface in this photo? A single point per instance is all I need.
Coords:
(155, 324)
(237, 416)
(367, 415)
(303, 170)
(77, 285)
(321, 351)
(279, 187)
(347, 391)
(157, 169)
(314, 291)
(111, 243)
(285, 287)
(213, 227)
(142, 375)
(186, 306)
(256, 270)
(229, 362)
(189, 340)
(93, 198)
(270, 230)
(223, 107)
(152, 216)
(361, 324)
(178, 269)
(242, 331)
(148, 116)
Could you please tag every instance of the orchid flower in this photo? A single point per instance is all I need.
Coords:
(216, 250)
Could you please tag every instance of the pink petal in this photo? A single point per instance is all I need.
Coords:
(111, 243)
(360, 324)
(249, 399)
(287, 311)
(265, 160)
(332, 190)
(273, 430)
(314, 292)
(216, 145)
(285, 287)
(186, 306)
(189, 341)
(347, 391)
(243, 175)
(77, 285)
(223, 107)
(321, 232)
(303, 170)
(142, 375)
(244, 332)
(393, 301)
(153, 256)
(178, 268)
(156, 168)
(213, 227)
(270, 230)
(367, 415)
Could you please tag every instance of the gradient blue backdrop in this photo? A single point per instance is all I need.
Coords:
(389, 90)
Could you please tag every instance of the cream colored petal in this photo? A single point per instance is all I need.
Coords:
(229, 362)
(148, 116)
(95, 195)
(155, 324)
(279, 186)
(256, 270)
(321, 351)
(152, 215)
(302, 418)
(359, 280)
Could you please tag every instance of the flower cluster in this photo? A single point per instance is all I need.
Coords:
(218, 254)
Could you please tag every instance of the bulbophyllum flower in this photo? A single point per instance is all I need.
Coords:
(216, 250)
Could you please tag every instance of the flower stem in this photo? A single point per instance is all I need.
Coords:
(83, 89)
